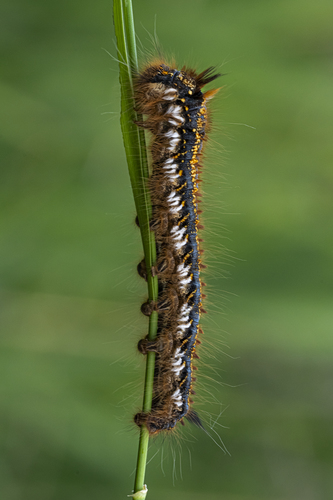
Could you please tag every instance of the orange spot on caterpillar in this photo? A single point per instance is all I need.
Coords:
(211, 93)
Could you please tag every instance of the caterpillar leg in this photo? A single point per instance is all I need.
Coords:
(145, 346)
(142, 270)
(148, 307)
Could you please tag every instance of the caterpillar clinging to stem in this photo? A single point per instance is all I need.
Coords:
(176, 110)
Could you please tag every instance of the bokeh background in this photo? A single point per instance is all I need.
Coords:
(70, 296)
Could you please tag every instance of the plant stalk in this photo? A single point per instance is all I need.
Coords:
(136, 154)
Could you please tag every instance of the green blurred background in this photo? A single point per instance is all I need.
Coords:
(70, 296)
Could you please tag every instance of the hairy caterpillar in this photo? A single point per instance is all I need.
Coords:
(177, 118)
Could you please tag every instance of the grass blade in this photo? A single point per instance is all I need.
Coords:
(135, 148)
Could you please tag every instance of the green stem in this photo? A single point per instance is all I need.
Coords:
(135, 148)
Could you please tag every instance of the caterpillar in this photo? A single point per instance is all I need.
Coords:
(177, 118)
